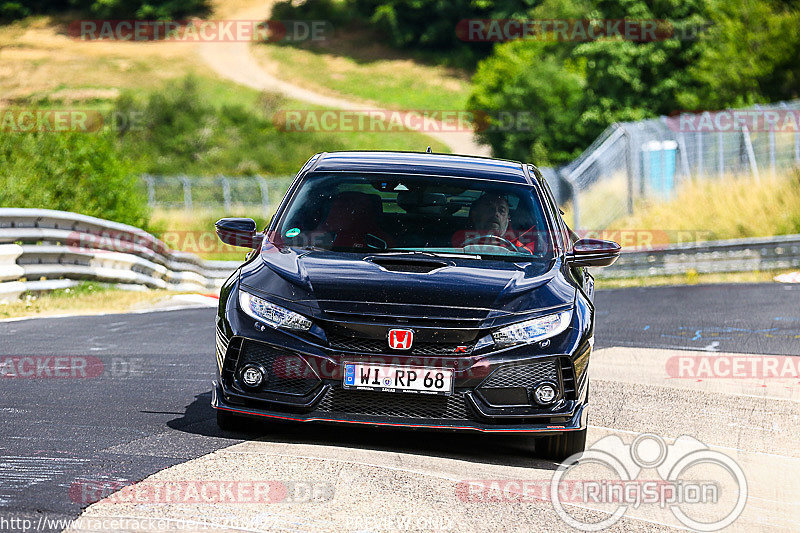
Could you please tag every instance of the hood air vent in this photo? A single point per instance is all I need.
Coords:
(402, 264)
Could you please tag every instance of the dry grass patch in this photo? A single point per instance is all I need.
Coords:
(726, 208)
(88, 298)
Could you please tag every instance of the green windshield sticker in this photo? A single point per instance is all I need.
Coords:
(294, 232)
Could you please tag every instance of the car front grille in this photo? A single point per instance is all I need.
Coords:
(286, 373)
(523, 375)
(365, 345)
(394, 404)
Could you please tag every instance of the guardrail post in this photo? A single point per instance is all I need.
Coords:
(797, 147)
(187, 193)
(751, 156)
(226, 192)
(575, 203)
(684, 158)
(772, 151)
(264, 186)
(151, 190)
(628, 166)
(700, 163)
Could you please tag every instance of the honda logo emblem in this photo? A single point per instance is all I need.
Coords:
(400, 339)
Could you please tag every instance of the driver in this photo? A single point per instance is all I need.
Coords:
(489, 214)
(489, 217)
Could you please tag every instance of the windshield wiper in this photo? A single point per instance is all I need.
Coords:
(391, 251)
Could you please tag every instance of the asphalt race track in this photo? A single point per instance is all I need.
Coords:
(134, 401)
(747, 318)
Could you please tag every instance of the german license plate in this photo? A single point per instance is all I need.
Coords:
(393, 378)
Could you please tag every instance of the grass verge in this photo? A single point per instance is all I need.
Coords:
(726, 208)
(88, 298)
(691, 278)
(354, 67)
(193, 231)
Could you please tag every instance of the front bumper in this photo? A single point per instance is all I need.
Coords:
(304, 387)
(575, 422)
(304, 383)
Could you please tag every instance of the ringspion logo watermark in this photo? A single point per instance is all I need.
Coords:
(198, 30)
(574, 30)
(705, 490)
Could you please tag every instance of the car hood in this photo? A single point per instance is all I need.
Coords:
(407, 284)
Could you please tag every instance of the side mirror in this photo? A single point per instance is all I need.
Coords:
(238, 232)
(593, 253)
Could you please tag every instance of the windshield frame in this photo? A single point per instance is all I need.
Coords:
(532, 187)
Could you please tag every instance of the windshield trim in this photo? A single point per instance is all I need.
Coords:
(534, 187)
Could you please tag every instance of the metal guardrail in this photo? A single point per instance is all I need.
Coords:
(735, 255)
(42, 249)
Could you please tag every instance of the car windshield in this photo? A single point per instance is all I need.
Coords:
(415, 214)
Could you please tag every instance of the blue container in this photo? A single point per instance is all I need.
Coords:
(658, 166)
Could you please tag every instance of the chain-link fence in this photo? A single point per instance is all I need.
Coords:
(218, 192)
(649, 159)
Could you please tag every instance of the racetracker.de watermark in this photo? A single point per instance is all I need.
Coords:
(198, 30)
(37, 120)
(84, 491)
(70, 367)
(736, 120)
(733, 367)
(388, 121)
(575, 30)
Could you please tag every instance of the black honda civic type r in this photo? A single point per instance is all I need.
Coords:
(412, 290)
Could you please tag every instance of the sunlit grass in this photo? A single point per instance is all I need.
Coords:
(42, 67)
(725, 208)
(85, 298)
(193, 231)
(385, 81)
(690, 278)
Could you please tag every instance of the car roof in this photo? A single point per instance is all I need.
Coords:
(456, 166)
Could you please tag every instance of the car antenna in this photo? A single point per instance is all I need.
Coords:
(428, 151)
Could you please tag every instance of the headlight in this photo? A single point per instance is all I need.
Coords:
(273, 315)
(533, 330)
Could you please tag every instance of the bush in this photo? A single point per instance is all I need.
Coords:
(12, 10)
(577, 88)
(427, 27)
(179, 130)
(140, 9)
(79, 172)
(552, 94)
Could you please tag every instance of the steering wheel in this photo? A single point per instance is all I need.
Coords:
(505, 242)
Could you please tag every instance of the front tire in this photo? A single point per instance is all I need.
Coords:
(561, 446)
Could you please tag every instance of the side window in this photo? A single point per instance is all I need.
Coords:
(549, 200)
(566, 232)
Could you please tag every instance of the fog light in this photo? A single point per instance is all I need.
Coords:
(252, 376)
(545, 393)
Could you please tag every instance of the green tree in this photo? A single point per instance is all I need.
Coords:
(79, 172)
(749, 54)
(584, 86)
(519, 79)
(140, 9)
